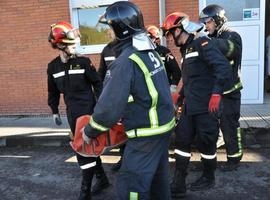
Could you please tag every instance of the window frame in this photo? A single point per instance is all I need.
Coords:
(74, 5)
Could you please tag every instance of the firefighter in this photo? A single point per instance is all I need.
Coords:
(213, 16)
(136, 89)
(171, 65)
(204, 72)
(107, 55)
(74, 77)
(106, 58)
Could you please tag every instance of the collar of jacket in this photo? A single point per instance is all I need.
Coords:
(120, 45)
(189, 40)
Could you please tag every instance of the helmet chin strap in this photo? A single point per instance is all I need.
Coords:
(65, 55)
(177, 37)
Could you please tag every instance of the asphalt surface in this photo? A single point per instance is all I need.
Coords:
(51, 173)
(36, 163)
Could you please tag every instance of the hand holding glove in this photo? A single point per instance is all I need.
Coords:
(214, 103)
(56, 119)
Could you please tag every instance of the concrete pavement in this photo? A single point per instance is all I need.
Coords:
(51, 173)
(36, 162)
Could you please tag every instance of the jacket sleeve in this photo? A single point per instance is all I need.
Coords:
(53, 93)
(221, 68)
(231, 47)
(93, 77)
(102, 66)
(113, 100)
(173, 67)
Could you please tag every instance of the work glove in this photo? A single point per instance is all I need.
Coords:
(56, 119)
(89, 133)
(214, 104)
(84, 136)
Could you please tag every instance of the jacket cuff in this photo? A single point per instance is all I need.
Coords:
(91, 132)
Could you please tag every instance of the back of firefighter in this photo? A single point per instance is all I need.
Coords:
(74, 77)
(136, 89)
(204, 72)
(230, 43)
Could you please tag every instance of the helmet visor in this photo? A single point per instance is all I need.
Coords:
(72, 36)
(206, 20)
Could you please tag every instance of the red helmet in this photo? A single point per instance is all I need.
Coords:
(181, 20)
(63, 32)
(153, 31)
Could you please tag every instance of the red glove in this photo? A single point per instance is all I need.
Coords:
(175, 96)
(214, 103)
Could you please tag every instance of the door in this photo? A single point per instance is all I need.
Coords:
(247, 18)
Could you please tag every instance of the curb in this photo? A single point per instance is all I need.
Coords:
(252, 138)
(44, 141)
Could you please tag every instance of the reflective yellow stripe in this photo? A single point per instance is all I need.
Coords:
(130, 99)
(133, 196)
(239, 140)
(151, 88)
(97, 126)
(235, 87)
(231, 48)
(143, 132)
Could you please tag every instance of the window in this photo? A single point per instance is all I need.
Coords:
(232, 8)
(85, 15)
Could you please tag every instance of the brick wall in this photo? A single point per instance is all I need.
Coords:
(25, 51)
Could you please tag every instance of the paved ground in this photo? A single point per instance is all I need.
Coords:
(51, 173)
(36, 163)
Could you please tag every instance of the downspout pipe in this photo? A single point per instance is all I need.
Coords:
(162, 13)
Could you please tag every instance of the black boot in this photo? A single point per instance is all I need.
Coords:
(203, 183)
(85, 193)
(102, 181)
(178, 185)
(117, 165)
(207, 180)
(230, 166)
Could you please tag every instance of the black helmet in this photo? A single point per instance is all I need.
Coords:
(216, 12)
(125, 18)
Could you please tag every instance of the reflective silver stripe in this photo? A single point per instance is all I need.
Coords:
(133, 196)
(208, 157)
(89, 165)
(143, 132)
(59, 74)
(182, 153)
(109, 58)
(130, 99)
(240, 147)
(193, 54)
(97, 126)
(76, 71)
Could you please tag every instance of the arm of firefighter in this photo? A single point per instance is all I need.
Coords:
(53, 93)
(113, 100)
(102, 66)
(219, 63)
(231, 48)
(94, 78)
(173, 67)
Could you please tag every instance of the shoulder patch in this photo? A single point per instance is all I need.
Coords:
(204, 43)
